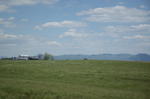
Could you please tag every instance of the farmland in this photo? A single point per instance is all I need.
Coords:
(76, 79)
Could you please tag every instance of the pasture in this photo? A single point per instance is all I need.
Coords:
(80, 79)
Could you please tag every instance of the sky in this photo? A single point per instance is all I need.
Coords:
(63, 27)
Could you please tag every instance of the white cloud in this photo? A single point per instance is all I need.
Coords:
(118, 32)
(24, 20)
(145, 28)
(137, 37)
(68, 24)
(14, 44)
(53, 43)
(140, 28)
(26, 2)
(6, 5)
(25, 39)
(116, 14)
(7, 22)
(6, 36)
(11, 18)
(4, 8)
(142, 6)
(73, 33)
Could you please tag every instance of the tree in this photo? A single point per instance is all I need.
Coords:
(48, 56)
(41, 56)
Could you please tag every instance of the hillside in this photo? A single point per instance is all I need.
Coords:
(83, 79)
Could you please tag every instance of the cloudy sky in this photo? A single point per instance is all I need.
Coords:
(74, 26)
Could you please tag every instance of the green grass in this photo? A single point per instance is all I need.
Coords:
(89, 79)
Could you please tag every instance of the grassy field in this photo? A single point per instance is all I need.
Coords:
(89, 79)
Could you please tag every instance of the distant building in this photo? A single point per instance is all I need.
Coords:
(33, 58)
(23, 57)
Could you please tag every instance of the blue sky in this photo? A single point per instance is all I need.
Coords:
(74, 27)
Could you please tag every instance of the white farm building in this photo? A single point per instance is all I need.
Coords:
(23, 57)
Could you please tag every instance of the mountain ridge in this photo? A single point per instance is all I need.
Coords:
(126, 57)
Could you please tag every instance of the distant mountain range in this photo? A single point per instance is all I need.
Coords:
(126, 57)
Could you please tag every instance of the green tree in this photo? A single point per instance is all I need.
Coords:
(48, 56)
